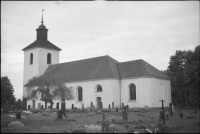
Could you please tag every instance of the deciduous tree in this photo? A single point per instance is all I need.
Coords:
(7, 91)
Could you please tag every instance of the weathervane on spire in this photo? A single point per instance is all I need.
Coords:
(42, 16)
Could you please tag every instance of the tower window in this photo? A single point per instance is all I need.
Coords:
(48, 58)
(31, 58)
(132, 92)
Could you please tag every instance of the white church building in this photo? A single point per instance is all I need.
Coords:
(100, 79)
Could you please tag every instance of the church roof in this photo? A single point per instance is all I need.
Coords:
(87, 69)
(101, 68)
(137, 68)
(42, 43)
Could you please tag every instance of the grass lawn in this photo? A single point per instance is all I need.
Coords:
(37, 123)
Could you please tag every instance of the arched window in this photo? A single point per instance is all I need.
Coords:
(80, 94)
(132, 89)
(48, 58)
(99, 88)
(31, 58)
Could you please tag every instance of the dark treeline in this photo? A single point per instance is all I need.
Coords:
(184, 72)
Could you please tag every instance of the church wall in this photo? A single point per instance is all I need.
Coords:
(156, 90)
(109, 94)
(43, 59)
(125, 95)
(148, 92)
(30, 70)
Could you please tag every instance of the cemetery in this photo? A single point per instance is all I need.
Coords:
(93, 120)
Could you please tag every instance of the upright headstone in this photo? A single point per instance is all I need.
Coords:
(109, 106)
(82, 106)
(113, 105)
(91, 104)
(124, 114)
(57, 106)
(63, 106)
(116, 109)
(122, 105)
(72, 106)
(100, 106)
(170, 109)
(162, 116)
(162, 108)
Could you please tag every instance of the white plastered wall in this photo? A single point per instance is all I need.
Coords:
(148, 92)
(39, 65)
(109, 94)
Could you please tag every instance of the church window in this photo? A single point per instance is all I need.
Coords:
(80, 94)
(99, 88)
(132, 89)
(31, 58)
(48, 58)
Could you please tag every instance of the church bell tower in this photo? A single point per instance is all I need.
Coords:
(37, 57)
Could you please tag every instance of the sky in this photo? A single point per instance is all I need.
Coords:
(124, 30)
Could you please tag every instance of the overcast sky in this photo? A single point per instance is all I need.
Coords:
(148, 30)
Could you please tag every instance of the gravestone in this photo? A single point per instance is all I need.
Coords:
(100, 105)
(72, 106)
(18, 115)
(29, 106)
(63, 107)
(57, 106)
(82, 106)
(91, 104)
(109, 106)
(124, 114)
(113, 105)
(162, 116)
(122, 105)
(170, 109)
(116, 109)
(162, 108)
(167, 116)
(127, 106)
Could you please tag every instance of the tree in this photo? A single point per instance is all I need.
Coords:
(7, 91)
(48, 88)
(18, 104)
(184, 72)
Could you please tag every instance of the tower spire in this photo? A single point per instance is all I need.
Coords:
(42, 16)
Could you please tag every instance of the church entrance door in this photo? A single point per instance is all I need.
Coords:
(98, 102)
